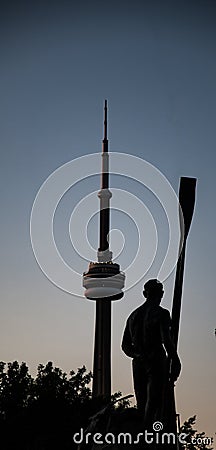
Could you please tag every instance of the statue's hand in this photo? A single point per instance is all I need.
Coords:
(175, 369)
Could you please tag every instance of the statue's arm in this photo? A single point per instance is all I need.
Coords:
(165, 326)
(169, 345)
(127, 344)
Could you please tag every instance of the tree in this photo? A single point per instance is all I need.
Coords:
(42, 413)
(15, 388)
(194, 440)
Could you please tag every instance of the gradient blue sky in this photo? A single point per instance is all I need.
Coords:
(155, 63)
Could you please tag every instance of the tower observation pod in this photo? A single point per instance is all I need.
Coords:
(103, 282)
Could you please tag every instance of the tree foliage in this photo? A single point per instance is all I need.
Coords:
(44, 412)
(194, 440)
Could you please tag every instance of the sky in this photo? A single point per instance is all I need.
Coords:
(154, 61)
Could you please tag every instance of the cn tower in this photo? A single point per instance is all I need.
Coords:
(103, 283)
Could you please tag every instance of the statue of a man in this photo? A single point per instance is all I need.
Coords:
(148, 341)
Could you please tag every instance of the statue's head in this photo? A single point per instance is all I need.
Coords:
(153, 290)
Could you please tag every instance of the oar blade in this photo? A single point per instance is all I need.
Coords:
(187, 192)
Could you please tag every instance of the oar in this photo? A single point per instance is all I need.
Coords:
(187, 202)
(187, 191)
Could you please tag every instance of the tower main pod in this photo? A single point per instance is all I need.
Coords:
(103, 283)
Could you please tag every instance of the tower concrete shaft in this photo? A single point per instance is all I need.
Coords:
(102, 350)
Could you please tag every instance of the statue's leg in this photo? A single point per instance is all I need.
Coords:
(156, 376)
(140, 383)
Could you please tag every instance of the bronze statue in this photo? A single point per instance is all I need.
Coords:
(147, 339)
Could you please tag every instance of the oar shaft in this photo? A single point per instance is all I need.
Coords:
(176, 308)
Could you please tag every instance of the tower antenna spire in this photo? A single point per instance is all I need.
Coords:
(105, 124)
(104, 254)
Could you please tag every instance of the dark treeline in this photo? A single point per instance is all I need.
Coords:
(44, 412)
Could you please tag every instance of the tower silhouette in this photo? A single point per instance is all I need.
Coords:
(103, 283)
